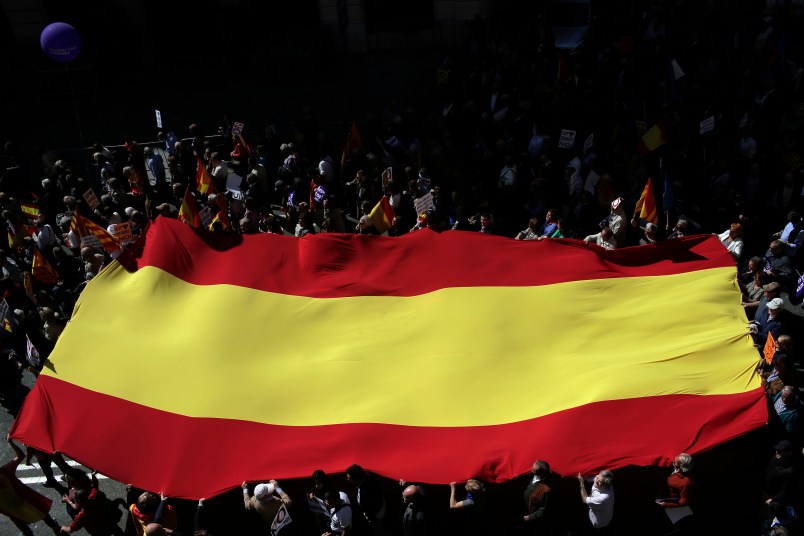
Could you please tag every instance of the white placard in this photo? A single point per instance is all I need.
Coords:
(567, 139)
(424, 203)
(588, 143)
(158, 119)
(91, 199)
(237, 128)
(91, 241)
(708, 124)
(205, 214)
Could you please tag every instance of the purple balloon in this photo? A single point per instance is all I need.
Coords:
(60, 42)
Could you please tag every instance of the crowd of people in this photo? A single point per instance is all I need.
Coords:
(485, 154)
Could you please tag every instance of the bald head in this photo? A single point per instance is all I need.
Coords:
(154, 529)
(409, 493)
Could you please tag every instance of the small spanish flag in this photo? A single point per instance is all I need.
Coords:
(382, 215)
(188, 211)
(202, 178)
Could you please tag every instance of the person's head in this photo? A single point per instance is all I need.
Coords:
(264, 491)
(793, 217)
(147, 502)
(604, 480)
(154, 529)
(736, 230)
(788, 396)
(755, 264)
(683, 463)
(784, 344)
(41, 221)
(81, 496)
(784, 450)
(332, 498)
(606, 233)
(775, 307)
(772, 290)
(485, 219)
(474, 486)
(682, 224)
(355, 474)
(551, 215)
(533, 224)
(651, 230)
(777, 248)
(320, 479)
(215, 157)
(411, 494)
(540, 469)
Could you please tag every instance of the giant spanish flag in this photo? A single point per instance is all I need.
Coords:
(429, 357)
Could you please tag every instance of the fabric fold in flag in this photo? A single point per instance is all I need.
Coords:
(412, 349)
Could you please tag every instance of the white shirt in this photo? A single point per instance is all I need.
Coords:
(340, 519)
(44, 237)
(601, 506)
(735, 247)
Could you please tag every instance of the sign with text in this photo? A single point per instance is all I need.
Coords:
(707, 124)
(91, 199)
(424, 203)
(158, 119)
(237, 128)
(567, 139)
(122, 232)
(91, 241)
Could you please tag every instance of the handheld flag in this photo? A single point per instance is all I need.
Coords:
(353, 141)
(654, 138)
(42, 270)
(382, 215)
(203, 181)
(354, 287)
(646, 206)
(188, 211)
(222, 216)
(83, 227)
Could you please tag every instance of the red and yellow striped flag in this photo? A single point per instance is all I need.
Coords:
(42, 270)
(222, 216)
(646, 206)
(82, 227)
(30, 210)
(382, 215)
(203, 180)
(447, 378)
(188, 211)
